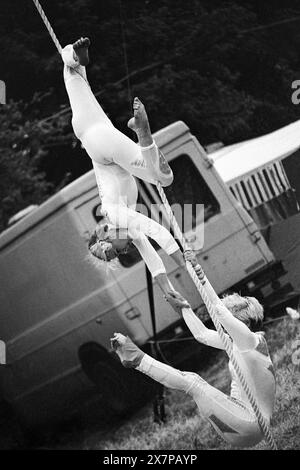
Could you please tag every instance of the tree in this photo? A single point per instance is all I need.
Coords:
(21, 183)
(209, 63)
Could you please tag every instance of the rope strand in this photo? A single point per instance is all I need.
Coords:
(48, 25)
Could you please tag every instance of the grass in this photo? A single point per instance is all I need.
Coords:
(186, 430)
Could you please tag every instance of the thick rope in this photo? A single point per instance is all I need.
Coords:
(48, 25)
(52, 33)
(210, 298)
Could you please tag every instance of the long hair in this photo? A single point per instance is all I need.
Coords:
(101, 250)
(246, 309)
(101, 264)
(101, 261)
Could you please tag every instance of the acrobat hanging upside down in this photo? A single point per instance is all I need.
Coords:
(116, 160)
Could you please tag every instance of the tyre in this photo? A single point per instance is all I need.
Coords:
(113, 386)
(111, 379)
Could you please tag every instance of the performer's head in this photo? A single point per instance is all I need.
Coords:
(108, 242)
(246, 309)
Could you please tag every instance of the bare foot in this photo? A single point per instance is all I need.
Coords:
(81, 50)
(139, 123)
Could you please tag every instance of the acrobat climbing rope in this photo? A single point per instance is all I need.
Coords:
(210, 298)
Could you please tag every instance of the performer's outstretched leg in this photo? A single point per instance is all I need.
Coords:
(140, 125)
(85, 108)
(232, 419)
(103, 142)
(132, 357)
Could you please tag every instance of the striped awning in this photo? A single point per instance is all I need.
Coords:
(237, 161)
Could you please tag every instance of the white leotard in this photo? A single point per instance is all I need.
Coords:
(116, 160)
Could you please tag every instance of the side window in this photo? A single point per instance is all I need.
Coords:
(188, 187)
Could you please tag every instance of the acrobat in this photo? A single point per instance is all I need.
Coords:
(231, 416)
(117, 160)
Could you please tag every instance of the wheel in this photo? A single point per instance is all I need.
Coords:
(111, 379)
(113, 386)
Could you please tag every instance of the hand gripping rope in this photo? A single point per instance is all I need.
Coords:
(203, 285)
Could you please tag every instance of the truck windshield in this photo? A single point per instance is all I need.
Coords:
(188, 187)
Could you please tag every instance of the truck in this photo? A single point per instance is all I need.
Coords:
(59, 310)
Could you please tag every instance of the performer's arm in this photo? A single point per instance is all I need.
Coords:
(153, 262)
(240, 334)
(200, 332)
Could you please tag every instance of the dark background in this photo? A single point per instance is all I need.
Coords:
(225, 68)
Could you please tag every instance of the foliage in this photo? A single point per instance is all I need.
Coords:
(204, 62)
(21, 183)
(185, 429)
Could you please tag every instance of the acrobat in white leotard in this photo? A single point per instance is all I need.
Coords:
(116, 160)
(231, 416)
